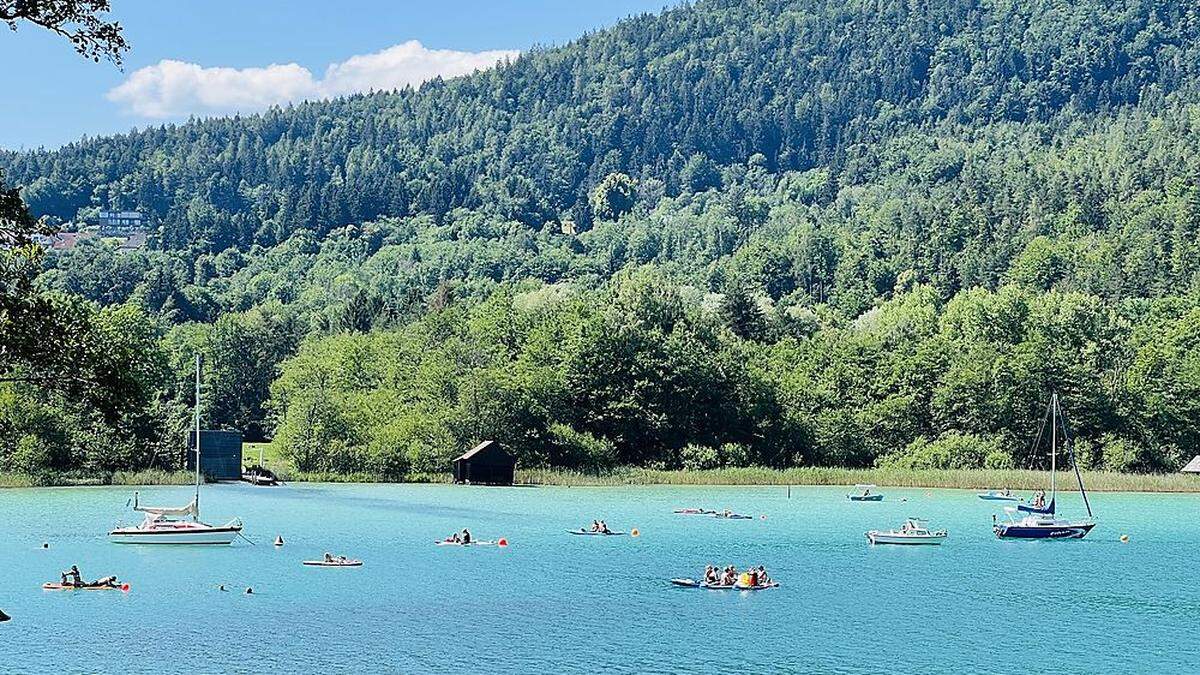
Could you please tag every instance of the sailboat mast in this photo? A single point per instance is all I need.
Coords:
(1053, 443)
(197, 430)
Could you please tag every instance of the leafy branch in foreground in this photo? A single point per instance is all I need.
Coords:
(77, 20)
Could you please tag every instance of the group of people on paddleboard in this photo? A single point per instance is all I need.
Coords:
(457, 538)
(600, 526)
(752, 576)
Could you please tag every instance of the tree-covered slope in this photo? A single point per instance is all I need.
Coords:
(739, 232)
(804, 83)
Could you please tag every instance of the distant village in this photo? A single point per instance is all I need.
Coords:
(127, 229)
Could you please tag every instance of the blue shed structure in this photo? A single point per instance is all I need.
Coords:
(220, 454)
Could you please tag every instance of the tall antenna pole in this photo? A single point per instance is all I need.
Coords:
(197, 421)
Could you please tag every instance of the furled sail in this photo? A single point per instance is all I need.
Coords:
(192, 509)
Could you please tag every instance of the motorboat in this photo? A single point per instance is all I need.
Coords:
(259, 475)
(914, 531)
(999, 496)
(863, 493)
(178, 524)
(1041, 521)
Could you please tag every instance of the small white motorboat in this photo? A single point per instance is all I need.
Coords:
(914, 531)
(862, 493)
(998, 496)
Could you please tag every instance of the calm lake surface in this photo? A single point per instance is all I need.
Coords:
(552, 602)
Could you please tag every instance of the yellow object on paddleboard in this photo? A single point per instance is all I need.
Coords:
(744, 579)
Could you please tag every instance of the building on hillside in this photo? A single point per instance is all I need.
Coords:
(134, 242)
(220, 454)
(486, 464)
(120, 222)
(62, 241)
(1192, 466)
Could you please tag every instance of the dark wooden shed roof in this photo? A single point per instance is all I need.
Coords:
(483, 450)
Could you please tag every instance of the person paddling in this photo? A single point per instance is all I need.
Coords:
(76, 579)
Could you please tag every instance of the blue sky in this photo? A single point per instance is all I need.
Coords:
(215, 56)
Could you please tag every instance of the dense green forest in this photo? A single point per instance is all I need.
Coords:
(772, 232)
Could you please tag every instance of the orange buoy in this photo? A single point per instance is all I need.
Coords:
(634, 532)
(1124, 539)
(502, 542)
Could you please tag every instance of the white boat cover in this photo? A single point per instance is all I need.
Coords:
(1193, 466)
(190, 510)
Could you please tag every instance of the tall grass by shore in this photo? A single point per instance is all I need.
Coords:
(147, 477)
(978, 479)
(974, 479)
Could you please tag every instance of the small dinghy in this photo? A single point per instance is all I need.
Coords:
(998, 496)
(339, 562)
(914, 531)
(592, 533)
(863, 493)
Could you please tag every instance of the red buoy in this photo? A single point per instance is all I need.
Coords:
(502, 542)
(125, 587)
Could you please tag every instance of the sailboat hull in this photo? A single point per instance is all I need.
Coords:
(1044, 531)
(223, 535)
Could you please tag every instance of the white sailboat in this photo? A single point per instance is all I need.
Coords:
(178, 524)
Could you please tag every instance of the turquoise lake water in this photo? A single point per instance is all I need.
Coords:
(552, 602)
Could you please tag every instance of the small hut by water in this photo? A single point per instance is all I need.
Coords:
(487, 463)
(1192, 466)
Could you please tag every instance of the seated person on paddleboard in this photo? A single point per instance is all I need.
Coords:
(75, 578)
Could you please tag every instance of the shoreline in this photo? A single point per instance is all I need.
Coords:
(964, 479)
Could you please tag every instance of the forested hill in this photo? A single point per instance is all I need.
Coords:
(776, 233)
(803, 83)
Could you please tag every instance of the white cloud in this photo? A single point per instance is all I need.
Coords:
(177, 89)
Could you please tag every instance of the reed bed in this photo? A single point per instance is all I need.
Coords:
(74, 478)
(975, 479)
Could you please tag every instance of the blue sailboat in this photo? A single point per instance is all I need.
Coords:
(1041, 521)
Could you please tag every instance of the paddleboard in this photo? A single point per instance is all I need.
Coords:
(687, 583)
(456, 543)
(336, 563)
(589, 533)
(49, 586)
